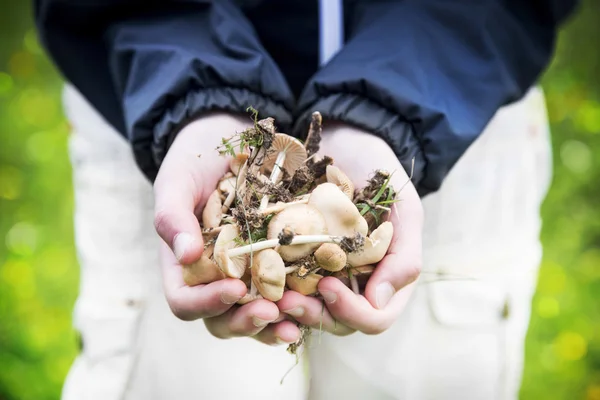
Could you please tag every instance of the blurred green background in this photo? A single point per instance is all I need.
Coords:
(38, 266)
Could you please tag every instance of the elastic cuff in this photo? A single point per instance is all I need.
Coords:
(363, 113)
(195, 103)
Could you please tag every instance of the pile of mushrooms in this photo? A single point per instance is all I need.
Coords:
(283, 218)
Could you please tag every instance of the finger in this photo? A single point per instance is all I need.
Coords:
(246, 320)
(176, 196)
(285, 332)
(402, 265)
(201, 301)
(312, 312)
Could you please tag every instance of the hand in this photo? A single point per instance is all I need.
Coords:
(187, 177)
(388, 290)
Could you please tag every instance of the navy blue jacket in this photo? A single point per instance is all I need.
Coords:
(424, 75)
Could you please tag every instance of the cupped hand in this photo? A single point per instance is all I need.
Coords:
(388, 290)
(188, 175)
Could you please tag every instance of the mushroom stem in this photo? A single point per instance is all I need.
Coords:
(289, 270)
(264, 202)
(269, 244)
(240, 185)
(354, 284)
(280, 207)
(228, 218)
(253, 289)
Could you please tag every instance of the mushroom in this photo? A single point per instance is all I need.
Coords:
(228, 184)
(212, 213)
(237, 162)
(330, 257)
(233, 267)
(306, 285)
(336, 176)
(302, 219)
(202, 271)
(375, 248)
(286, 153)
(268, 274)
(341, 215)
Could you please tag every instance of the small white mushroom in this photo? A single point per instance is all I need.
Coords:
(341, 215)
(336, 176)
(227, 184)
(302, 219)
(233, 267)
(375, 248)
(268, 274)
(211, 215)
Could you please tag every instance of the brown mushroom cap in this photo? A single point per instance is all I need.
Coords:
(234, 267)
(340, 179)
(202, 271)
(341, 215)
(302, 219)
(268, 274)
(330, 257)
(211, 215)
(304, 285)
(295, 153)
(236, 163)
(375, 248)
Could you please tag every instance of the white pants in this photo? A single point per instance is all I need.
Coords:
(461, 337)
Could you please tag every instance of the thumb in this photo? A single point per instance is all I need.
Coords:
(176, 197)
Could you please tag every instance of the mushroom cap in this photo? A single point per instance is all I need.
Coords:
(302, 219)
(336, 176)
(236, 163)
(295, 153)
(268, 274)
(341, 215)
(233, 267)
(375, 248)
(211, 215)
(228, 185)
(306, 285)
(202, 271)
(330, 257)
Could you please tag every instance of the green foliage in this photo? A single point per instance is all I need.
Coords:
(38, 267)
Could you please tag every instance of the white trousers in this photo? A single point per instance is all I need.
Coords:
(461, 336)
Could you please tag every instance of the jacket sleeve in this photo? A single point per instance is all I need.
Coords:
(427, 76)
(151, 66)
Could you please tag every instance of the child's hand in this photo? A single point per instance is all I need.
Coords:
(359, 154)
(188, 175)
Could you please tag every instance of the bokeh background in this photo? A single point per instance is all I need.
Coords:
(38, 266)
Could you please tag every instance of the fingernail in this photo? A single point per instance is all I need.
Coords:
(383, 294)
(295, 312)
(259, 323)
(229, 298)
(181, 243)
(330, 297)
